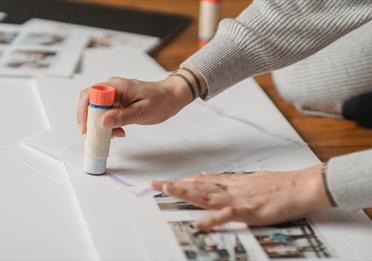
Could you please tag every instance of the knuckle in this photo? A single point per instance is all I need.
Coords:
(114, 79)
(84, 92)
(212, 201)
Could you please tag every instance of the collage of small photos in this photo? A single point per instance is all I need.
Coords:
(28, 51)
(42, 47)
(294, 240)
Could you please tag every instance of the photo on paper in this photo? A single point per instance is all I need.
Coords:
(31, 59)
(101, 41)
(7, 37)
(212, 245)
(291, 240)
(166, 203)
(44, 39)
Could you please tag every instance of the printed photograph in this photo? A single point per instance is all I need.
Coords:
(7, 37)
(291, 240)
(221, 245)
(166, 203)
(44, 39)
(100, 41)
(31, 59)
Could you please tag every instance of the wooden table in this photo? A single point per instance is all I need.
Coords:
(326, 137)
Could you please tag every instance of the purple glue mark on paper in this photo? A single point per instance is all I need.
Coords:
(120, 181)
(254, 126)
(143, 192)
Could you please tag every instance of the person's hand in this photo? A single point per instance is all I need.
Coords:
(258, 199)
(138, 102)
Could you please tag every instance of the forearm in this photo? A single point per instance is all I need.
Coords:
(269, 35)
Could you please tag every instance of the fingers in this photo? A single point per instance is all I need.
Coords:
(121, 85)
(204, 195)
(211, 177)
(82, 110)
(220, 217)
(116, 118)
(118, 132)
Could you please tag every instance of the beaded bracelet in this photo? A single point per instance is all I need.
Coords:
(198, 84)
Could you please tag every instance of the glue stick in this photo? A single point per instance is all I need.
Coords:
(209, 16)
(97, 142)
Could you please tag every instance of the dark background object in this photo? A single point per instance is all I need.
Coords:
(122, 19)
(359, 109)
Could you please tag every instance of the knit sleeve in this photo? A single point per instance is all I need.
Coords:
(349, 180)
(271, 34)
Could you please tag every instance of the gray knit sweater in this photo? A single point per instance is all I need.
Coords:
(272, 34)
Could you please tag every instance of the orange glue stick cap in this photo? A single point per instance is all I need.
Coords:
(102, 95)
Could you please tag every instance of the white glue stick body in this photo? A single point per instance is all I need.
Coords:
(209, 15)
(97, 141)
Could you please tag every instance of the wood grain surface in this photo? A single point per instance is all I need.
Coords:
(326, 137)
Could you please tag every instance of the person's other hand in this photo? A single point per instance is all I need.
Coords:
(138, 102)
(258, 199)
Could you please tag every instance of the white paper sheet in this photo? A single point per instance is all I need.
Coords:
(38, 210)
(119, 61)
(103, 37)
(123, 227)
(196, 139)
(22, 115)
(39, 219)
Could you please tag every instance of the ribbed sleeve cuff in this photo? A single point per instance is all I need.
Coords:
(223, 61)
(349, 180)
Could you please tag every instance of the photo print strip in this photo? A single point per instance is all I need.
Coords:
(38, 52)
(292, 240)
(219, 244)
(8, 34)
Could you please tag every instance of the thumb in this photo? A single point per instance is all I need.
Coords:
(116, 118)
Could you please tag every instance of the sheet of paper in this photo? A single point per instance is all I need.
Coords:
(119, 61)
(39, 219)
(31, 51)
(103, 38)
(119, 222)
(196, 139)
(22, 115)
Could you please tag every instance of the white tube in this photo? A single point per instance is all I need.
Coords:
(209, 16)
(97, 141)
